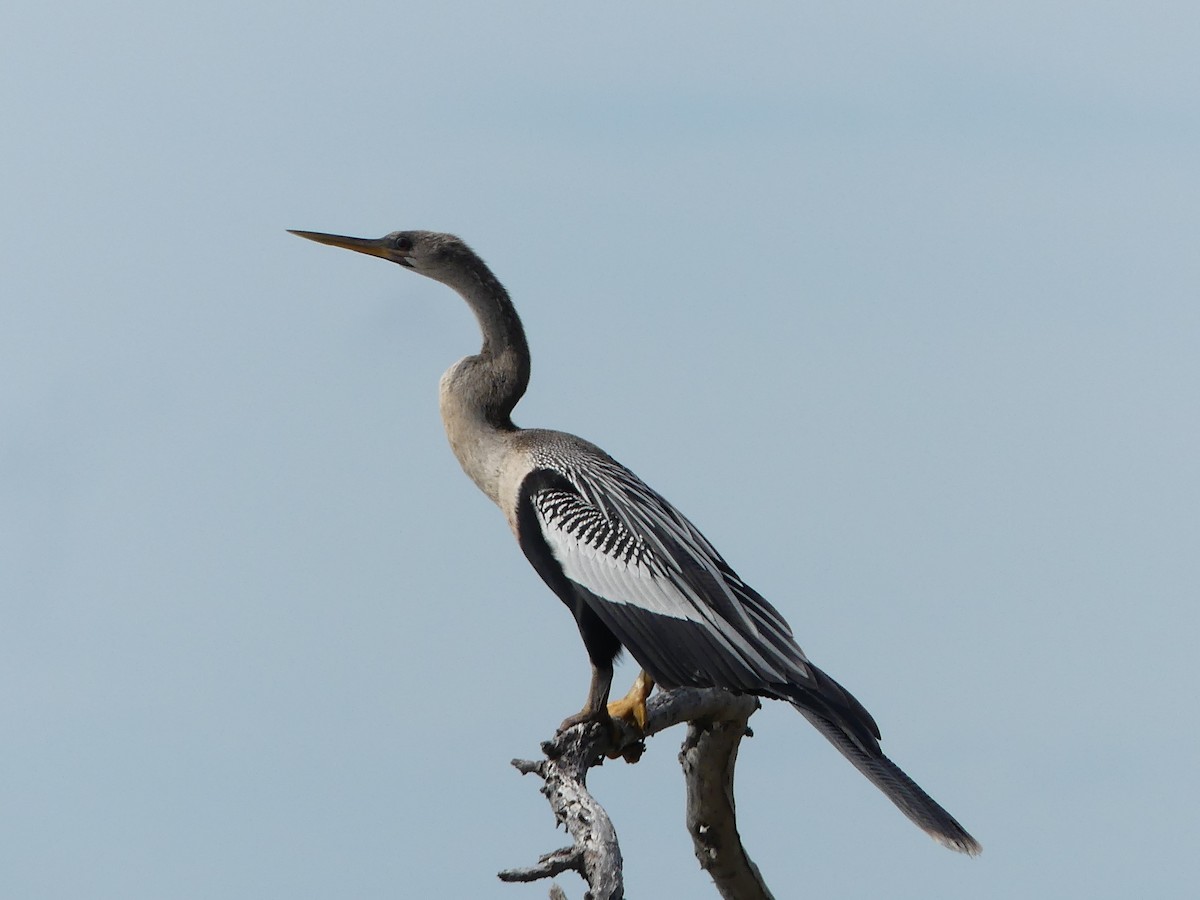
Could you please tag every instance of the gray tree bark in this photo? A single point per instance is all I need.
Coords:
(717, 722)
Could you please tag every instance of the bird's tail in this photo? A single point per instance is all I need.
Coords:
(843, 726)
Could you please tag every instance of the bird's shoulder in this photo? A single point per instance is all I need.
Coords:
(566, 459)
(549, 447)
(559, 463)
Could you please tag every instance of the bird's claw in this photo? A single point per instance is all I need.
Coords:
(632, 709)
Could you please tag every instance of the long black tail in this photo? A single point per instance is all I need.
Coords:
(853, 738)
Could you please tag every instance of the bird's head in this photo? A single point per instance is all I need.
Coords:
(441, 257)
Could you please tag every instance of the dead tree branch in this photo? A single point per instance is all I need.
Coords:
(717, 722)
(708, 756)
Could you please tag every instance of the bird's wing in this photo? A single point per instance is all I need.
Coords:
(658, 584)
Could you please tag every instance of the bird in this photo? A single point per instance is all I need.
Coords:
(634, 572)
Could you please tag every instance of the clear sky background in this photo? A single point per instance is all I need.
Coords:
(897, 301)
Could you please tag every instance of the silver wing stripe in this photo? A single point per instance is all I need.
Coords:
(617, 567)
(629, 577)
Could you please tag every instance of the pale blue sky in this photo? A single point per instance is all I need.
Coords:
(897, 301)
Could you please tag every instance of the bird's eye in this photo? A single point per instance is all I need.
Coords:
(404, 244)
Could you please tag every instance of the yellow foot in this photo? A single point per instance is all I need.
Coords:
(632, 707)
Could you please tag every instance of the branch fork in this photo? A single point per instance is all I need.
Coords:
(717, 721)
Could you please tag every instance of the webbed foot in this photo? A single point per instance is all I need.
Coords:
(632, 707)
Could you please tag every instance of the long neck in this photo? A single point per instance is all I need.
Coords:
(503, 367)
(478, 393)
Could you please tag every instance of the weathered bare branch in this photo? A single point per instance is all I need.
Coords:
(708, 756)
(596, 856)
(717, 722)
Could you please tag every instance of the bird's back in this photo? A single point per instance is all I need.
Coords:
(666, 592)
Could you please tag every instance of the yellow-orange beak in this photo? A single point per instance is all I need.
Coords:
(371, 246)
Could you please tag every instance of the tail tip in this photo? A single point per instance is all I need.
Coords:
(960, 843)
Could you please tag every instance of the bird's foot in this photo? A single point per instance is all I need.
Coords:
(620, 739)
(593, 710)
(632, 707)
(629, 714)
(624, 720)
(586, 716)
(630, 710)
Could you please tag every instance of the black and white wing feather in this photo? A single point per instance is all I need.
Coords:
(674, 603)
(666, 593)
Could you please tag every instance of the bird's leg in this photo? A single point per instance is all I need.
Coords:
(632, 707)
(594, 710)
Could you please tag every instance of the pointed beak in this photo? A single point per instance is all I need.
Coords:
(371, 246)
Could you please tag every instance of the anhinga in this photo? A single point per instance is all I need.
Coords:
(634, 572)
